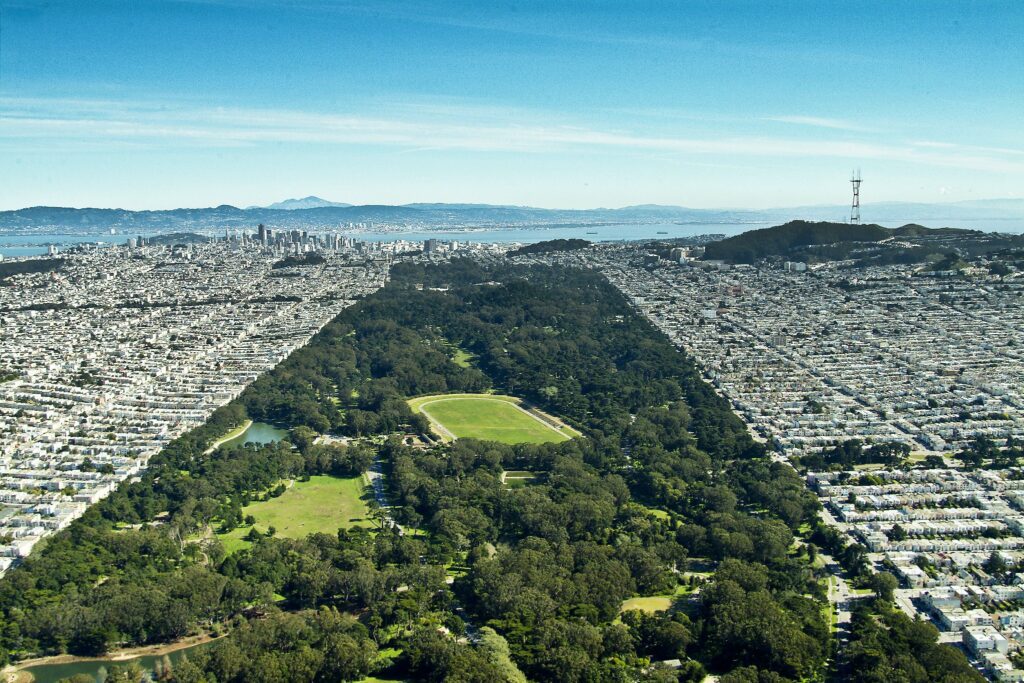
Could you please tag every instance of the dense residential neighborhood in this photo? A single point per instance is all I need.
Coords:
(952, 538)
(886, 354)
(119, 351)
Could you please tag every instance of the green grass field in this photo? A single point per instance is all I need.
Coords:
(657, 603)
(515, 479)
(485, 416)
(322, 504)
(462, 358)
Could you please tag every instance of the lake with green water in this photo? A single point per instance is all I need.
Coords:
(258, 432)
(51, 673)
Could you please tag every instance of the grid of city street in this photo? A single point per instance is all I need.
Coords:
(124, 349)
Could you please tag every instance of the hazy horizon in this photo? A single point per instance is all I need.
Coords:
(347, 203)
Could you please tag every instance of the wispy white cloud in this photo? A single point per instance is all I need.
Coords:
(934, 144)
(412, 128)
(821, 122)
(557, 23)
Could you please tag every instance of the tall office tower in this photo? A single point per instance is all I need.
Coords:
(263, 234)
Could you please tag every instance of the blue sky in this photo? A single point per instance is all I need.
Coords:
(757, 104)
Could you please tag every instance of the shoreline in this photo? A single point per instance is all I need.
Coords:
(17, 673)
(233, 434)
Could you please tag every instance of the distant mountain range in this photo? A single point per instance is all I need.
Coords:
(317, 213)
(310, 202)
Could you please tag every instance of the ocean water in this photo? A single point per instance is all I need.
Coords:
(31, 245)
(51, 673)
(36, 244)
(594, 233)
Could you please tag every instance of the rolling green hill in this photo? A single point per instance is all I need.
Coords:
(792, 239)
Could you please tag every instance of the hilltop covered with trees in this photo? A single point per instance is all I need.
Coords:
(887, 645)
(36, 265)
(549, 246)
(308, 259)
(805, 240)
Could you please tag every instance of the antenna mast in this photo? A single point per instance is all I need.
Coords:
(855, 206)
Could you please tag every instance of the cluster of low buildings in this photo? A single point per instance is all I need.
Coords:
(810, 357)
(955, 540)
(108, 358)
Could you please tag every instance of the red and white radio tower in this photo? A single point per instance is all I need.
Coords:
(855, 206)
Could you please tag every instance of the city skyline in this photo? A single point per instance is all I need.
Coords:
(202, 103)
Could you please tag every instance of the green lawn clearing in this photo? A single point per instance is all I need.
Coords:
(462, 358)
(489, 417)
(323, 504)
(515, 479)
(657, 603)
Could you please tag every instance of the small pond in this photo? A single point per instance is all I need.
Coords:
(258, 432)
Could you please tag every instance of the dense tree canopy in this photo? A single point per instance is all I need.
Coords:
(886, 645)
(666, 479)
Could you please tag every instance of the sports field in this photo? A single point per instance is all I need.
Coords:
(490, 417)
(322, 504)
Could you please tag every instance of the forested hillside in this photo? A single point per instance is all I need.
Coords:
(667, 495)
(29, 266)
(805, 240)
(549, 246)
